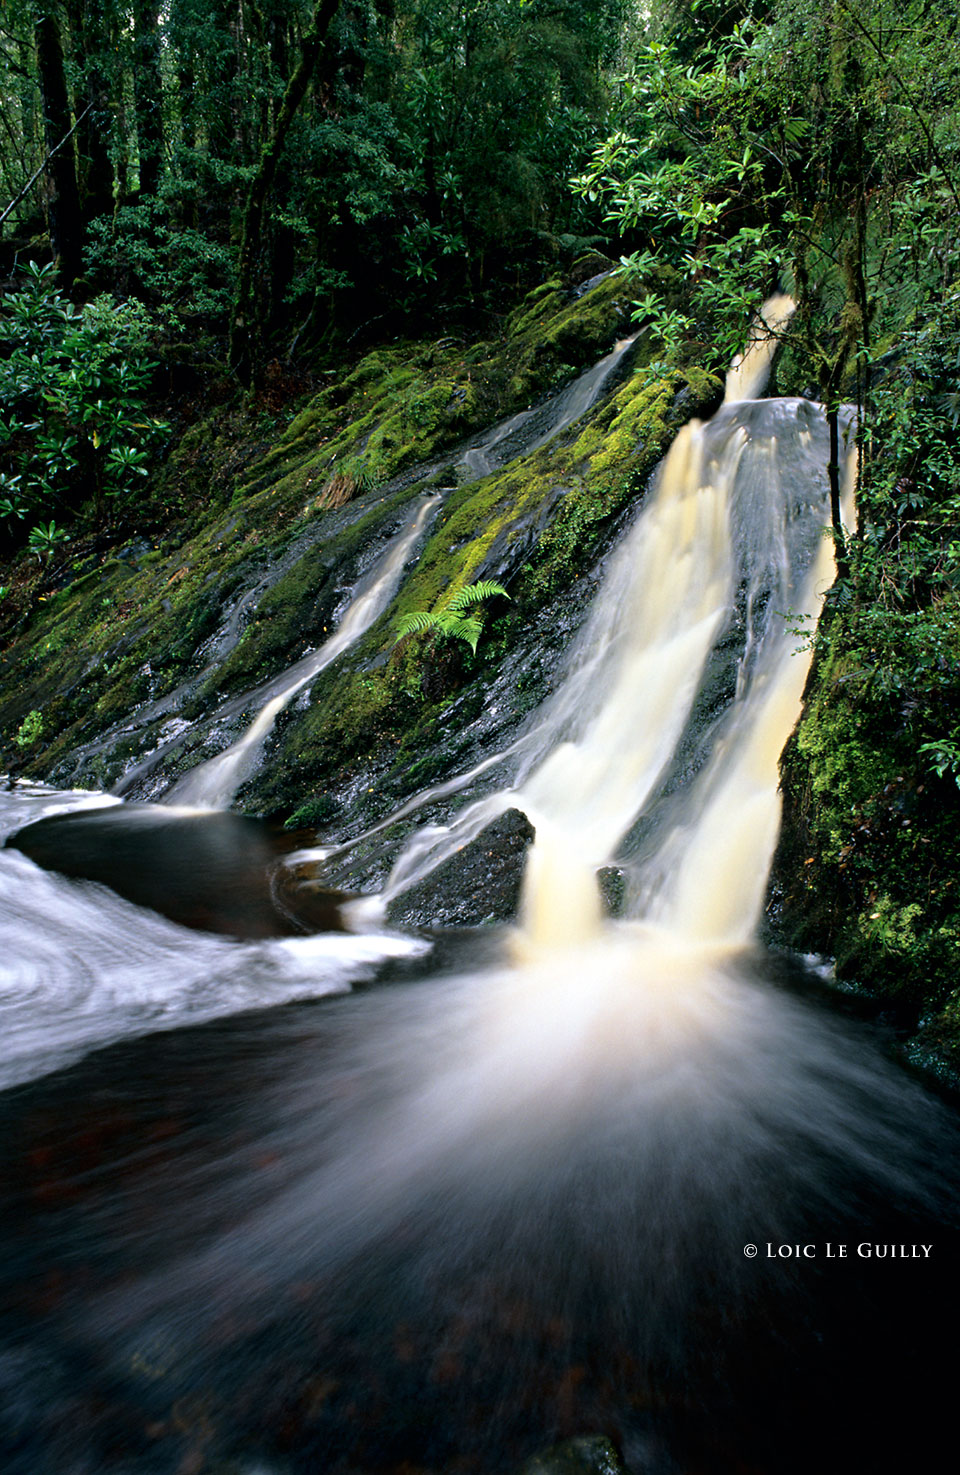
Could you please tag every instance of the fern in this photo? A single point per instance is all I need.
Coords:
(453, 622)
(416, 623)
(475, 594)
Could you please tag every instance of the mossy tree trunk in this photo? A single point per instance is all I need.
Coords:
(246, 332)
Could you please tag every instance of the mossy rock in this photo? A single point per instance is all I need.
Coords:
(537, 525)
(134, 633)
(868, 863)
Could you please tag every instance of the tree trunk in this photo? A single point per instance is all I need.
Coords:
(148, 94)
(246, 329)
(92, 36)
(833, 477)
(66, 224)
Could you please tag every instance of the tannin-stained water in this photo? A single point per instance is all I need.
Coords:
(513, 1197)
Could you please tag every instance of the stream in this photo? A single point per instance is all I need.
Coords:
(281, 1199)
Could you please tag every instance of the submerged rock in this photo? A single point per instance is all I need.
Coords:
(479, 884)
(210, 870)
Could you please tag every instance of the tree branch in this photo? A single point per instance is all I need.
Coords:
(36, 175)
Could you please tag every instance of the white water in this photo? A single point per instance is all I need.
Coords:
(730, 543)
(527, 431)
(82, 968)
(750, 370)
(212, 784)
(638, 1051)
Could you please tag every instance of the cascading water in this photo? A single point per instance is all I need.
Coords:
(526, 432)
(731, 542)
(213, 783)
(436, 1226)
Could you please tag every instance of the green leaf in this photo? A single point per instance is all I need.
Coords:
(475, 594)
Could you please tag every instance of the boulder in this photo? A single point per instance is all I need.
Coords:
(208, 869)
(479, 884)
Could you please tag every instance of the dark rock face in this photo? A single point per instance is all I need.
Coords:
(611, 883)
(481, 883)
(588, 1454)
(217, 872)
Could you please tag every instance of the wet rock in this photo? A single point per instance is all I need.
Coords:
(588, 270)
(611, 882)
(213, 871)
(479, 884)
(587, 1454)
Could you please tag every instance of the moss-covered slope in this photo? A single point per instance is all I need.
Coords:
(114, 654)
(399, 717)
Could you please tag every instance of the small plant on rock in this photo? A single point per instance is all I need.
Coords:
(30, 729)
(461, 619)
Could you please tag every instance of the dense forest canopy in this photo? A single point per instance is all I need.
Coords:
(420, 145)
(272, 179)
(257, 182)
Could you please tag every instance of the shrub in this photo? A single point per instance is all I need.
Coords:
(73, 421)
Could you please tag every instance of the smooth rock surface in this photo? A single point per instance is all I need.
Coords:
(211, 870)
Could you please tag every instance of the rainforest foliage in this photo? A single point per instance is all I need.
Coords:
(358, 159)
(215, 215)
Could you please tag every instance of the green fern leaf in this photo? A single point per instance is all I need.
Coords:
(415, 622)
(468, 628)
(453, 621)
(475, 594)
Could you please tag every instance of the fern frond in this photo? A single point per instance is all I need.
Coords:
(468, 628)
(475, 594)
(416, 621)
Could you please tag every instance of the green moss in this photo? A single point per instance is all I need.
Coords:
(123, 634)
(373, 715)
(294, 613)
(870, 858)
(609, 464)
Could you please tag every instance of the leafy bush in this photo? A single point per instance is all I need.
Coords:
(73, 420)
(30, 729)
(184, 273)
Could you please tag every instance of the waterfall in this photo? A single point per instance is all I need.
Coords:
(213, 783)
(750, 370)
(535, 1184)
(526, 432)
(726, 528)
(729, 547)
